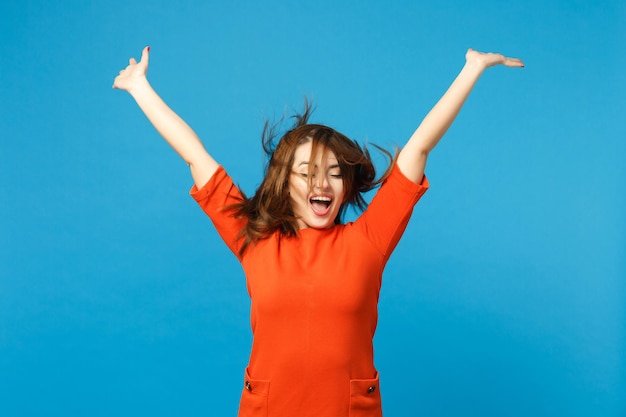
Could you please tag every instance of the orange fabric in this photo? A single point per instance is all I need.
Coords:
(314, 304)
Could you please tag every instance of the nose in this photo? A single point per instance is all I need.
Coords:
(320, 182)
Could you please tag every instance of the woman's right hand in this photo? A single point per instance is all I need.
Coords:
(134, 72)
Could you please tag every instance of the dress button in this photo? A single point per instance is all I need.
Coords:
(371, 389)
(248, 386)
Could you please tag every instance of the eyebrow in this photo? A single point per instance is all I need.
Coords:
(330, 167)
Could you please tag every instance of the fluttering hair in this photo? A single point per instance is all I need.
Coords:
(270, 210)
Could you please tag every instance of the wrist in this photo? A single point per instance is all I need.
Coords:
(475, 68)
(139, 87)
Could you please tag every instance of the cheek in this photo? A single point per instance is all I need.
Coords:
(340, 191)
(298, 191)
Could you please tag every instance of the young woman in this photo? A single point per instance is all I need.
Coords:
(314, 282)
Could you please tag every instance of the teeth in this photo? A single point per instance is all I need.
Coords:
(320, 198)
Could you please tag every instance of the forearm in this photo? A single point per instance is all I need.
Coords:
(177, 133)
(441, 116)
(412, 158)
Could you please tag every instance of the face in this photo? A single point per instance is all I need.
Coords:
(316, 200)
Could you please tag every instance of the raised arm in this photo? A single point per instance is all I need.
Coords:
(173, 129)
(412, 158)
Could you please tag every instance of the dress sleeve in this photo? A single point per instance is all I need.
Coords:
(388, 214)
(214, 197)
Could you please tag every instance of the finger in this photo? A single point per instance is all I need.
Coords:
(513, 62)
(132, 61)
(145, 55)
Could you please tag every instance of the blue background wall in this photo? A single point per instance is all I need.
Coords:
(506, 296)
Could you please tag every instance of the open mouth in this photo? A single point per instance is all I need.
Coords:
(320, 204)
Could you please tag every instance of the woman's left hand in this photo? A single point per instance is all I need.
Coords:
(486, 60)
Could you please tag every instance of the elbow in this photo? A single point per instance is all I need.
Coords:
(423, 153)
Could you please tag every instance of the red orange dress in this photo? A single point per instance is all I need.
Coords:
(314, 304)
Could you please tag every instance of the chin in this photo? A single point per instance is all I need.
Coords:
(317, 223)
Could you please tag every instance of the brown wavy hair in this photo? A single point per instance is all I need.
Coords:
(269, 210)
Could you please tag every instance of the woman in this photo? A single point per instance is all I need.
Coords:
(314, 282)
